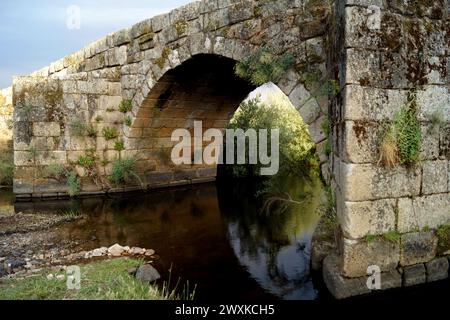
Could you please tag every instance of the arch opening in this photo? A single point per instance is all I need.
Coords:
(203, 89)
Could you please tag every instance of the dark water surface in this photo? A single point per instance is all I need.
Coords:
(212, 235)
(216, 237)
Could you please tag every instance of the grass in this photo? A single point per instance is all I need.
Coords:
(55, 171)
(402, 139)
(127, 120)
(110, 133)
(102, 280)
(87, 161)
(443, 234)
(73, 184)
(392, 236)
(123, 170)
(125, 106)
(119, 145)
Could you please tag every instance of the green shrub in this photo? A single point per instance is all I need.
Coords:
(119, 145)
(408, 135)
(263, 67)
(123, 170)
(443, 234)
(87, 161)
(297, 150)
(56, 171)
(125, 106)
(73, 185)
(91, 131)
(110, 133)
(127, 120)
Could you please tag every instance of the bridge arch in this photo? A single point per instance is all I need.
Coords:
(202, 88)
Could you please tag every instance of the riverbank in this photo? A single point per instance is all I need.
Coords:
(100, 280)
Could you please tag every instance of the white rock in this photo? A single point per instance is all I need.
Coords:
(149, 252)
(50, 276)
(97, 253)
(116, 250)
(60, 277)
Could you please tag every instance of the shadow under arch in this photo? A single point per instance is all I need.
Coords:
(203, 88)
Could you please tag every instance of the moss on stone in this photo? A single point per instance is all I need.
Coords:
(443, 234)
(181, 27)
(161, 61)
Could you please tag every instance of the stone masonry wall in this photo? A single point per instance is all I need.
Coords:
(6, 115)
(133, 65)
(410, 50)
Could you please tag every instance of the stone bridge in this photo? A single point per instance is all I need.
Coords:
(137, 85)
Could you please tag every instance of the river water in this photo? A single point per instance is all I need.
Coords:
(216, 236)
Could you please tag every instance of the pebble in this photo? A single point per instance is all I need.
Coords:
(60, 277)
(116, 250)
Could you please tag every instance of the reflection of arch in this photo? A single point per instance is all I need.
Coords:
(198, 87)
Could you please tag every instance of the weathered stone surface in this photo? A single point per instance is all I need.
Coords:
(339, 286)
(437, 269)
(357, 256)
(417, 247)
(421, 212)
(362, 182)
(359, 219)
(434, 177)
(414, 275)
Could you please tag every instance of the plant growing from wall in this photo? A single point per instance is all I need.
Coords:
(124, 171)
(402, 139)
(127, 121)
(110, 133)
(443, 234)
(73, 184)
(56, 171)
(264, 66)
(78, 128)
(119, 145)
(125, 106)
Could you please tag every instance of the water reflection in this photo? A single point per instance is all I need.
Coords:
(275, 246)
(214, 236)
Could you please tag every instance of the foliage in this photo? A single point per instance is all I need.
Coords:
(123, 170)
(392, 236)
(370, 238)
(127, 120)
(87, 161)
(296, 146)
(263, 67)
(56, 171)
(119, 145)
(125, 106)
(78, 128)
(101, 280)
(443, 234)
(110, 133)
(408, 135)
(73, 185)
(402, 139)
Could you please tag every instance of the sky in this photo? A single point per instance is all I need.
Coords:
(35, 33)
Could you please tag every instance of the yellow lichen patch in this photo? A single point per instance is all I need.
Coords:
(161, 61)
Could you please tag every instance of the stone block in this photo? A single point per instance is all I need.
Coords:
(339, 286)
(371, 104)
(437, 269)
(421, 212)
(417, 247)
(361, 141)
(414, 275)
(46, 129)
(359, 255)
(359, 219)
(434, 177)
(361, 182)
